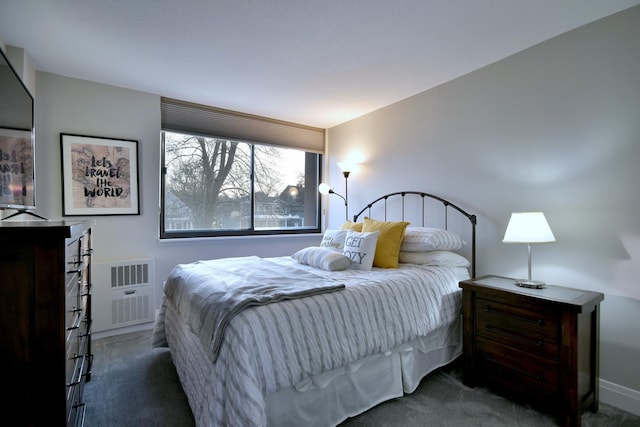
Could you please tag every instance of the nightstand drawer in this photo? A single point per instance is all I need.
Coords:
(533, 331)
(517, 370)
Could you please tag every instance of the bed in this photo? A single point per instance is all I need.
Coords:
(338, 339)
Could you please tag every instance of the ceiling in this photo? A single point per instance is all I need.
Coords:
(315, 62)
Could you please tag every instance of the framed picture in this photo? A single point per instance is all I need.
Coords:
(99, 175)
(17, 171)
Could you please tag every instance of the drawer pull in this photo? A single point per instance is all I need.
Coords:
(78, 381)
(129, 292)
(76, 322)
(73, 384)
(537, 377)
(490, 309)
(83, 406)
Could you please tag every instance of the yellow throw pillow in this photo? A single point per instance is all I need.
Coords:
(350, 225)
(389, 241)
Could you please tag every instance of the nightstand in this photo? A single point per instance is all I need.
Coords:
(539, 346)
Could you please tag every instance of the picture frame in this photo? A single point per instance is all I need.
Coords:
(99, 175)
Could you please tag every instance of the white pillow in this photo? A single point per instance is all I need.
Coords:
(423, 239)
(360, 247)
(323, 258)
(334, 240)
(443, 258)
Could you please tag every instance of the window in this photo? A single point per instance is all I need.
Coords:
(221, 186)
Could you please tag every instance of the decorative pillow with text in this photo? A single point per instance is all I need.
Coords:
(334, 240)
(361, 248)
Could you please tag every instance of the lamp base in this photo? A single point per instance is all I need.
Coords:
(534, 284)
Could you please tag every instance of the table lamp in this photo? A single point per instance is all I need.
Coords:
(528, 227)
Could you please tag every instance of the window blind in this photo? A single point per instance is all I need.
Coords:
(182, 116)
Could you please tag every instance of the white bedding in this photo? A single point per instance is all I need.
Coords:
(208, 294)
(282, 346)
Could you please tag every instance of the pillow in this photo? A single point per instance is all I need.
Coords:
(334, 239)
(350, 225)
(323, 258)
(360, 248)
(441, 258)
(422, 239)
(389, 241)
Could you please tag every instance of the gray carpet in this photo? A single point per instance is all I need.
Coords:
(135, 385)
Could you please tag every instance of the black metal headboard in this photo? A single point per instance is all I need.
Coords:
(447, 205)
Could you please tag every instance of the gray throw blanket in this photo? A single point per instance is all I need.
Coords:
(208, 294)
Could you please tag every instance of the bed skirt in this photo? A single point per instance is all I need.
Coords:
(326, 399)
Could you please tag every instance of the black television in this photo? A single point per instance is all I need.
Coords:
(17, 142)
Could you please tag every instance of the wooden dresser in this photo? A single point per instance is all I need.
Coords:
(45, 320)
(540, 346)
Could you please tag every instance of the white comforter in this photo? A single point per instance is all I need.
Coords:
(270, 347)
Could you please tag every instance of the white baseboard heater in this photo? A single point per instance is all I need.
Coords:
(123, 293)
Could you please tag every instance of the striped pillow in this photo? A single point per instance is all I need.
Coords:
(323, 258)
(423, 239)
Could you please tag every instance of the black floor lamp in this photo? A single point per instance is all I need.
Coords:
(326, 189)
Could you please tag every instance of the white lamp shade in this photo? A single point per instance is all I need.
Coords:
(345, 167)
(324, 188)
(528, 227)
(348, 167)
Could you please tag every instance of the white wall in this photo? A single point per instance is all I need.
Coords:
(554, 128)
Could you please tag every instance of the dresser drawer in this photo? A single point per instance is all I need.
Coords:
(73, 255)
(72, 348)
(73, 265)
(517, 370)
(85, 300)
(75, 387)
(73, 304)
(533, 330)
(77, 409)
